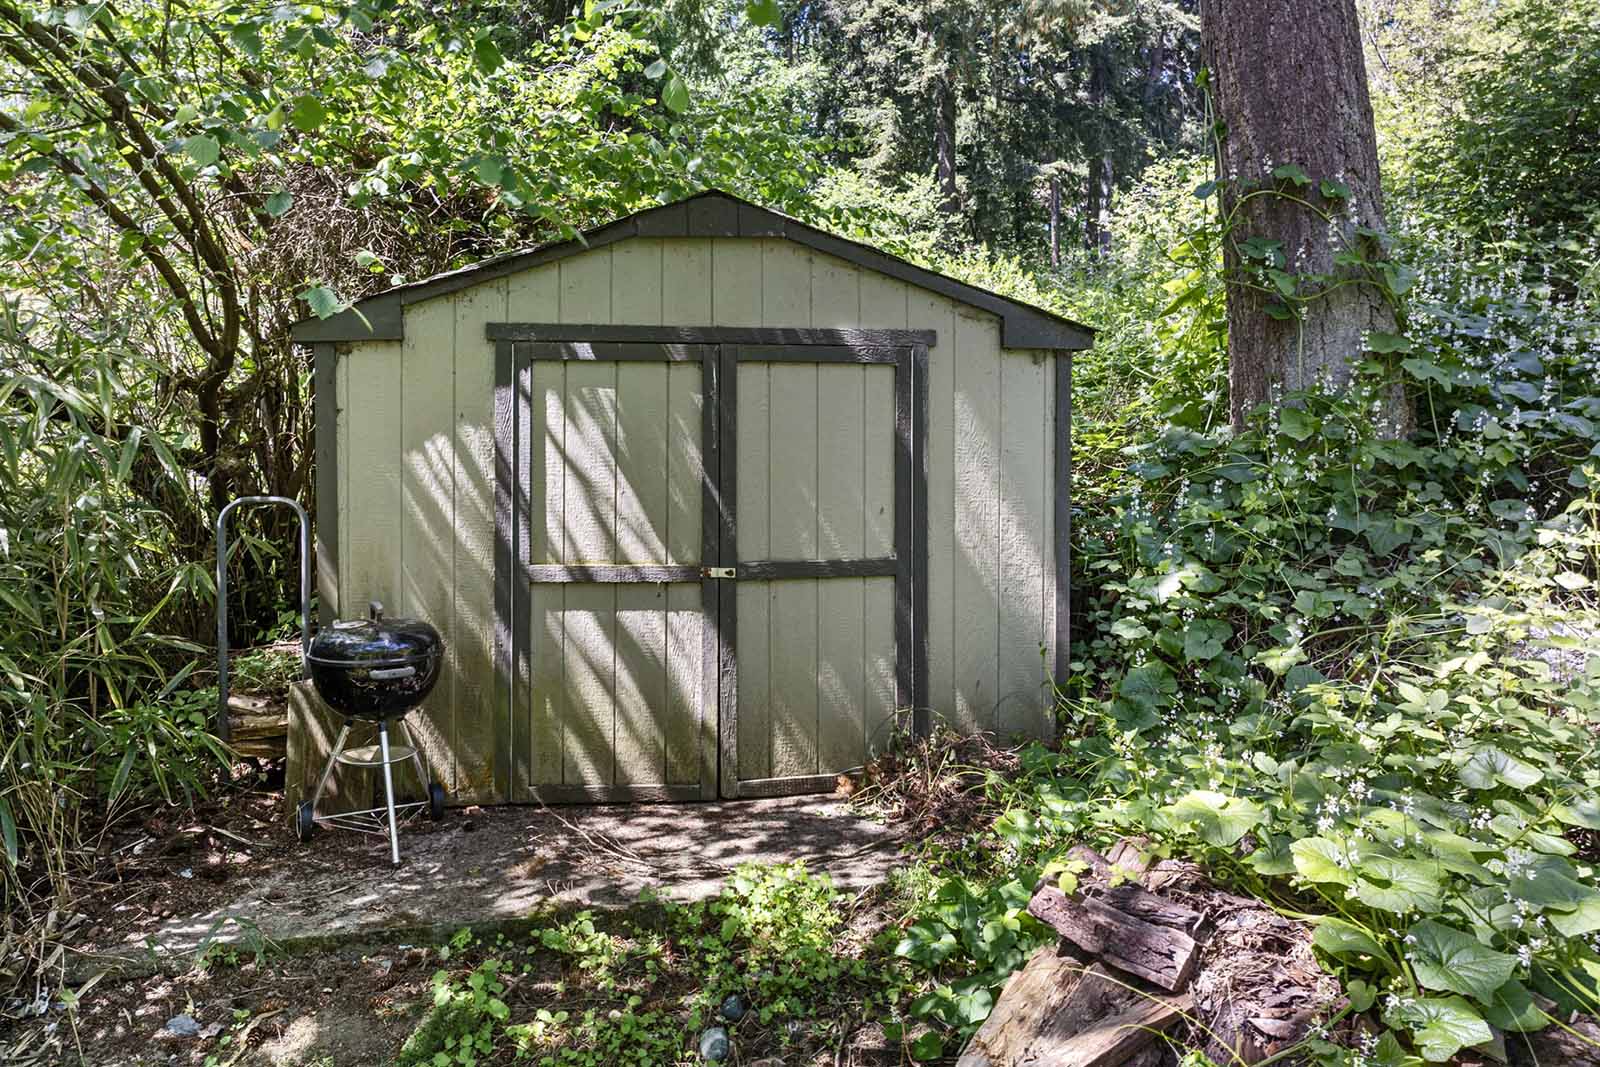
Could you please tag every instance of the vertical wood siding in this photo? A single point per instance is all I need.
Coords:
(416, 459)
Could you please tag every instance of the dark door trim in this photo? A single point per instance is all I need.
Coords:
(719, 351)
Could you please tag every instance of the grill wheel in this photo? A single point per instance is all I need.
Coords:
(435, 801)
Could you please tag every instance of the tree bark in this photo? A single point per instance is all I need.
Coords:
(1055, 221)
(944, 145)
(1290, 87)
(1097, 206)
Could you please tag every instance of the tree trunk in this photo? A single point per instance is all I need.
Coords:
(1290, 87)
(1097, 206)
(1098, 224)
(1055, 221)
(944, 145)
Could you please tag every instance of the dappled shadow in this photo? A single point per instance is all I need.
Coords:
(612, 686)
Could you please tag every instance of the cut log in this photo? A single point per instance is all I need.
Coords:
(1112, 1040)
(1056, 1012)
(1142, 904)
(258, 726)
(1159, 954)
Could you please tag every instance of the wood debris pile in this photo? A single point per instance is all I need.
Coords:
(1147, 952)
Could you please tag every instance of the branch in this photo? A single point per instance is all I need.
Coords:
(128, 224)
(194, 224)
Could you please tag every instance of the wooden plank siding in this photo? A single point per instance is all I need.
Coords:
(416, 518)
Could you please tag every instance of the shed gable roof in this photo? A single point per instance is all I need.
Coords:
(710, 214)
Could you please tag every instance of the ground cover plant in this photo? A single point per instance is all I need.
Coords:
(1349, 673)
(771, 965)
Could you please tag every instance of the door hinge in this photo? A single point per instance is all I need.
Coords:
(717, 572)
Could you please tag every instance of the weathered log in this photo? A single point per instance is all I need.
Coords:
(1058, 1012)
(1160, 954)
(1140, 903)
(258, 726)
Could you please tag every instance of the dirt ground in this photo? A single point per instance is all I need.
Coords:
(292, 955)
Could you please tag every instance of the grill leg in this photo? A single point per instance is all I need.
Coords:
(388, 790)
(327, 772)
(416, 756)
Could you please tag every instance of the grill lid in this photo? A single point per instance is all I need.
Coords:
(374, 641)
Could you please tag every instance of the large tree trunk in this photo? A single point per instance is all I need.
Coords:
(1290, 87)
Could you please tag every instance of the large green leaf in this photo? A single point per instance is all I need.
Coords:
(486, 53)
(1443, 1026)
(203, 149)
(1584, 813)
(1447, 959)
(1217, 818)
(323, 300)
(1552, 885)
(1317, 859)
(1203, 639)
(308, 113)
(1490, 767)
(1398, 885)
(1148, 686)
(1512, 1008)
(1581, 920)
(675, 93)
(1297, 423)
(1344, 940)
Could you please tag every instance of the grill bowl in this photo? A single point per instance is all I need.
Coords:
(375, 668)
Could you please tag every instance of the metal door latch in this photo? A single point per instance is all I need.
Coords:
(717, 572)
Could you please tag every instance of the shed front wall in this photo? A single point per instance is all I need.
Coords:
(416, 456)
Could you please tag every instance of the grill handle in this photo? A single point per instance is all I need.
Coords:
(384, 674)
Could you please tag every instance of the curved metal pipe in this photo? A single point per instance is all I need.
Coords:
(222, 729)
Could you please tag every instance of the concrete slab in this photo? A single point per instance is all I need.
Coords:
(492, 869)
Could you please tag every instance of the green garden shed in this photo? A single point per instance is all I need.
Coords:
(704, 504)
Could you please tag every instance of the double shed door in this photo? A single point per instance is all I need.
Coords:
(715, 561)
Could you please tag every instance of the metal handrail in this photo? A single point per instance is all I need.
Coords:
(222, 729)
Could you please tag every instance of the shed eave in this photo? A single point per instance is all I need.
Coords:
(708, 214)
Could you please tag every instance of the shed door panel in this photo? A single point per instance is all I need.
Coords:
(617, 703)
(814, 448)
(617, 461)
(618, 684)
(816, 688)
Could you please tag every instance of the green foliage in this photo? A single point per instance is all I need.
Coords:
(461, 1025)
(1157, 304)
(181, 184)
(1024, 97)
(268, 670)
(1493, 115)
(91, 713)
(1346, 672)
(1342, 668)
(639, 991)
(971, 936)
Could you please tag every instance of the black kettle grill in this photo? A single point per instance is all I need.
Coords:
(376, 670)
